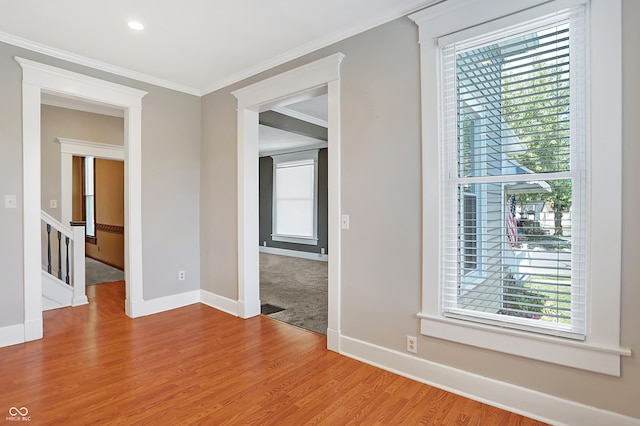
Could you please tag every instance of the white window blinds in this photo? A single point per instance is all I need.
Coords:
(295, 197)
(514, 177)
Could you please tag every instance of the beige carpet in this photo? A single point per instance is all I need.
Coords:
(297, 285)
(97, 272)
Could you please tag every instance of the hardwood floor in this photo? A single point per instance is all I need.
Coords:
(197, 365)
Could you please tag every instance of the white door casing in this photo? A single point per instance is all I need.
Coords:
(36, 79)
(70, 148)
(299, 83)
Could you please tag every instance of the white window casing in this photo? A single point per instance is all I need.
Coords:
(592, 342)
(295, 197)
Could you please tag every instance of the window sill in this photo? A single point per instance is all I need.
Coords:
(295, 240)
(555, 350)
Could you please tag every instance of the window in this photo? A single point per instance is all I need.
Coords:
(295, 194)
(472, 211)
(513, 104)
(469, 236)
(88, 189)
(521, 137)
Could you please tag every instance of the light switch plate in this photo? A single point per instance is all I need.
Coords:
(53, 204)
(10, 201)
(345, 221)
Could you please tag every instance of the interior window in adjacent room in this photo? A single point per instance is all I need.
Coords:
(295, 197)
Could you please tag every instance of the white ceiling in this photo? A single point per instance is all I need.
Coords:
(276, 141)
(195, 46)
(314, 110)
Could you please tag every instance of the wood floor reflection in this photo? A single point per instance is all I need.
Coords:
(197, 365)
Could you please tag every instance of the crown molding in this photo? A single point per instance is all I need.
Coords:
(329, 39)
(403, 9)
(312, 147)
(91, 63)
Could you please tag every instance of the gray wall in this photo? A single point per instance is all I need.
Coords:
(189, 204)
(170, 192)
(11, 288)
(170, 184)
(265, 194)
(381, 288)
(67, 123)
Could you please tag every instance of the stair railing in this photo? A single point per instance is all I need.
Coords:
(68, 249)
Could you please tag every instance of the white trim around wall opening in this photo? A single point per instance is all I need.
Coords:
(39, 78)
(600, 351)
(70, 148)
(263, 96)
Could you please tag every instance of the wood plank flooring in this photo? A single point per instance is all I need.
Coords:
(197, 365)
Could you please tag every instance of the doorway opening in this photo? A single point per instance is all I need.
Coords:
(83, 181)
(38, 79)
(305, 82)
(293, 198)
(98, 200)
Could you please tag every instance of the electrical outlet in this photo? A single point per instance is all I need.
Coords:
(412, 344)
(181, 275)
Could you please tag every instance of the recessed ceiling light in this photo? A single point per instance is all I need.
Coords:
(136, 26)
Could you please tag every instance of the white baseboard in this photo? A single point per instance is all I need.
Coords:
(166, 303)
(517, 399)
(218, 302)
(333, 340)
(294, 253)
(134, 308)
(80, 300)
(33, 329)
(11, 335)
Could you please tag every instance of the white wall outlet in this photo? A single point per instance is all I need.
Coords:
(412, 344)
(181, 275)
(322, 250)
(53, 204)
(264, 244)
(10, 201)
(345, 221)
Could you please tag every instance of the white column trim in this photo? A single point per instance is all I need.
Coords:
(31, 187)
(78, 265)
(334, 207)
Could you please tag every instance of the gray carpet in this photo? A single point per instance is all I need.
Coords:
(297, 285)
(97, 272)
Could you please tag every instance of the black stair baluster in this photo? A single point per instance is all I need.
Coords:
(48, 248)
(67, 243)
(59, 256)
